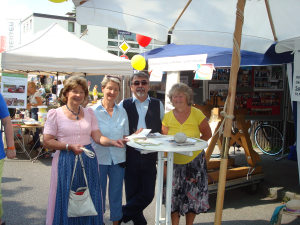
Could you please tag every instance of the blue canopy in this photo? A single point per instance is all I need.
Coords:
(221, 57)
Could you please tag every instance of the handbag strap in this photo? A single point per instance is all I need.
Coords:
(82, 166)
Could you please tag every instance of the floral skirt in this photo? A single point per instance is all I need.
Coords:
(190, 187)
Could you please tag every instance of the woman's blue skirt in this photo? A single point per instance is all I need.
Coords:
(65, 169)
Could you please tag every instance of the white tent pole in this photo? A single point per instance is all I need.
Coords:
(289, 73)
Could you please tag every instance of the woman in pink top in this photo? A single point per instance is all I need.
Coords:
(67, 129)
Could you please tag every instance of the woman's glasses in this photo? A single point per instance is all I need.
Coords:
(137, 83)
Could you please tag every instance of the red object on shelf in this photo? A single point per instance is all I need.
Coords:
(274, 109)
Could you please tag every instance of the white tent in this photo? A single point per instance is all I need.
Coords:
(56, 50)
(206, 22)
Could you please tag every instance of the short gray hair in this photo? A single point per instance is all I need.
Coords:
(139, 74)
(182, 88)
(109, 78)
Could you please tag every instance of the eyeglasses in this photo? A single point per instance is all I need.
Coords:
(137, 83)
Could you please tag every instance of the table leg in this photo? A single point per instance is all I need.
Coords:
(22, 144)
(159, 187)
(169, 187)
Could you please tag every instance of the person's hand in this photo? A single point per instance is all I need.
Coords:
(76, 148)
(139, 131)
(119, 143)
(11, 153)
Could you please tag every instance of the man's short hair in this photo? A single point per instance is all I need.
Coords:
(139, 74)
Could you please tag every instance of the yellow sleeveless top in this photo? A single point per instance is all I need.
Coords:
(190, 127)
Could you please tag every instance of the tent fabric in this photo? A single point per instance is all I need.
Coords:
(288, 45)
(221, 57)
(55, 49)
(209, 22)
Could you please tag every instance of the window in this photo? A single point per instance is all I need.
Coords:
(11, 27)
(134, 45)
(112, 43)
(130, 37)
(71, 27)
(83, 28)
(113, 52)
(112, 33)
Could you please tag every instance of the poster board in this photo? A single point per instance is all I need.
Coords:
(14, 89)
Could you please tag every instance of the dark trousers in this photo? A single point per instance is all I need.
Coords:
(140, 176)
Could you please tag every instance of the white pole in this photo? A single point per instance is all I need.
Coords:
(172, 78)
(159, 187)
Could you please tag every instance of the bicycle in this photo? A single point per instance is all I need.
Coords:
(268, 138)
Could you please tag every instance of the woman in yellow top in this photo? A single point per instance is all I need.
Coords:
(95, 93)
(190, 183)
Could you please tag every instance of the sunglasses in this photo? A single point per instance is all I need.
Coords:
(137, 83)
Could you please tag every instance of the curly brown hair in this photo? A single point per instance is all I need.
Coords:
(71, 83)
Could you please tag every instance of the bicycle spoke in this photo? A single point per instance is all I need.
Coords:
(268, 139)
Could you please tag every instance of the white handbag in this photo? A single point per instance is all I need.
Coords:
(80, 201)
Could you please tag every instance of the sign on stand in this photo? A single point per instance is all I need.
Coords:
(296, 77)
(14, 89)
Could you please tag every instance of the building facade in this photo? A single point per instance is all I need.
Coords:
(108, 39)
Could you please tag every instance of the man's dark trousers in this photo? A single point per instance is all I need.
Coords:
(140, 176)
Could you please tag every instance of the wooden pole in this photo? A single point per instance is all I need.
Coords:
(235, 65)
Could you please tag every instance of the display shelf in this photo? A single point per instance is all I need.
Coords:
(259, 90)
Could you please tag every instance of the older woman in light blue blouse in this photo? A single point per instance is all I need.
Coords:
(113, 123)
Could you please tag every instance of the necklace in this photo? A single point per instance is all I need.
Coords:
(75, 114)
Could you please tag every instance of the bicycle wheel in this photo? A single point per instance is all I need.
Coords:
(268, 139)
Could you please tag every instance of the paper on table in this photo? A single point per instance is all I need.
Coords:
(146, 142)
(143, 134)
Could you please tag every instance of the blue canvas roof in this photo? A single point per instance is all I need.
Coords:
(221, 57)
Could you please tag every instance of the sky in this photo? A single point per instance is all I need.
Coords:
(20, 9)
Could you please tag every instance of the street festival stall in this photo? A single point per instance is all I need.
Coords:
(173, 58)
(53, 51)
(215, 23)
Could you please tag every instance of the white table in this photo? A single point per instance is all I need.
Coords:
(161, 145)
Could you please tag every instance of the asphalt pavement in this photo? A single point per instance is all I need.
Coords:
(25, 187)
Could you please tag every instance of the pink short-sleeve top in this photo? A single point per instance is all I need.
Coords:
(71, 131)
